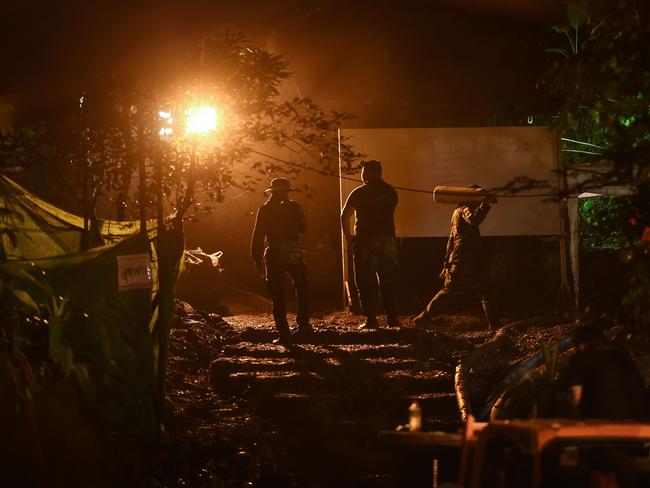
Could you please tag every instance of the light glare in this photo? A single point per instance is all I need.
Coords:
(200, 120)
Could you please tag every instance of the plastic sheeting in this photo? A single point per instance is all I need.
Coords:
(110, 331)
(43, 230)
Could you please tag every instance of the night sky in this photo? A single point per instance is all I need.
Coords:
(413, 63)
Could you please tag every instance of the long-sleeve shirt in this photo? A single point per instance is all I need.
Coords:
(277, 221)
(464, 244)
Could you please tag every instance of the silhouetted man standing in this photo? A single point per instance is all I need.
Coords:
(374, 246)
(463, 260)
(604, 380)
(280, 221)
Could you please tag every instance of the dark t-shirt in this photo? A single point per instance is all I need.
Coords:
(612, 386)
(280, 222)
(374, 204)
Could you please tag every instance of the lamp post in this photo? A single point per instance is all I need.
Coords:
(199, 121)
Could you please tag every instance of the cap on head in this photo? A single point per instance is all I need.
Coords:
(280, 185)
(371, 164)
(370, 170)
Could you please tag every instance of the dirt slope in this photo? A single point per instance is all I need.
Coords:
(246, 410)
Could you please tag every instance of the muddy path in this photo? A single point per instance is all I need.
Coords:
(247, 412)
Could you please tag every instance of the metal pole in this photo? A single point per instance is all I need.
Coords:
(343, 243)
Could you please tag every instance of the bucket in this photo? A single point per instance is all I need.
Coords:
(459, 194)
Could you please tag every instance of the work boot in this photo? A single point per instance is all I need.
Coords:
(302, 332)
(305, 328)
(422, 320)
(284, 335)
(494, 326)
(392, 321)
(370, 324)
(283, 340)
(490, 316)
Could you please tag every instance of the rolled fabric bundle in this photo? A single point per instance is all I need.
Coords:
(459, 194)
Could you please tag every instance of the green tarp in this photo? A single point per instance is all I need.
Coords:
(109, 331)
(43, 230)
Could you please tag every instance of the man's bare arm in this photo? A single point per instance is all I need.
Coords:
(257, 240)
(346, 216)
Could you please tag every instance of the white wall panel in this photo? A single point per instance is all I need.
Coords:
(488, 156)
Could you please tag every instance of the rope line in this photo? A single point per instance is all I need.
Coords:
(403, 188)
(417, 190)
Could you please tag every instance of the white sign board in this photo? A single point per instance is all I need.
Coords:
(134, 271)
(489, 156)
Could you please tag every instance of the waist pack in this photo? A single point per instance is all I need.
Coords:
(286, 251)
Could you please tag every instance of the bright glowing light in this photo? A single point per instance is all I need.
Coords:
(166, 130)
(200, 120)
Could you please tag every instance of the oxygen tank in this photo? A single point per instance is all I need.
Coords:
(460, 195)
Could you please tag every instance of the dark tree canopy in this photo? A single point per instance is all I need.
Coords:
(94, 142)
(601, 90)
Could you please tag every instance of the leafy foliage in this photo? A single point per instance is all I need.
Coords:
(601, 94)
(28, 308)
(105, 142)
(97, 141)
(609, 80)
(600, 223)
(98, 345)
(577, 16)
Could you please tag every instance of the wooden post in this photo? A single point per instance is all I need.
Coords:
(350, 297)
(565, 301)
(142, 175)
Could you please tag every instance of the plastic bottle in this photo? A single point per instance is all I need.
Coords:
(415, 417)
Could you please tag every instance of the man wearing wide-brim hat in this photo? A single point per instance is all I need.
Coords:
(277, 252)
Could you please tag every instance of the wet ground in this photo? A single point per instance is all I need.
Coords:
(248, 412)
